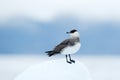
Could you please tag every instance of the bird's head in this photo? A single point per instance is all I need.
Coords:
(73, 33)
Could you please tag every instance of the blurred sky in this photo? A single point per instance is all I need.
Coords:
(48, 9)
(34, 26)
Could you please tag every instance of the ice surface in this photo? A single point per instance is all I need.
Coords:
(100, 67)
(55, 70)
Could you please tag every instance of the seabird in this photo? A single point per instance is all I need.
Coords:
(68, 46)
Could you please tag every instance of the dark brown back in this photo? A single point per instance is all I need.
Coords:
(65, 43)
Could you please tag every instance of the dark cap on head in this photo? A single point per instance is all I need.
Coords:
(72, 31)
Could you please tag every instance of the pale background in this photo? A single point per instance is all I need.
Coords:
(30, 27)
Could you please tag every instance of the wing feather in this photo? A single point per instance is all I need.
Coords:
(61, 46)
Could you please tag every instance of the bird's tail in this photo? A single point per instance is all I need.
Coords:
(50, 53)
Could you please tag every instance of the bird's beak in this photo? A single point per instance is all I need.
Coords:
(67, 32)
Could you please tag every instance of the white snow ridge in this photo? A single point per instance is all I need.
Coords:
(55, 70)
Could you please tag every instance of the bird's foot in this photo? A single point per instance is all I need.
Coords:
(69, 62)
(72, 61)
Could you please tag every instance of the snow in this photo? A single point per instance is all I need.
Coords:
(55, 70)
(100, 67)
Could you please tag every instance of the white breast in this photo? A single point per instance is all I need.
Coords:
(71, 49)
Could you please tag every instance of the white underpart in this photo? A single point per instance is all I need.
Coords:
(71, 49)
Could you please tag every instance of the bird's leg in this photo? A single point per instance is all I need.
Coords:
(71, 59)
(67, 60)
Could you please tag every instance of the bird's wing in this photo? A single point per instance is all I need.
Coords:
(61, 46)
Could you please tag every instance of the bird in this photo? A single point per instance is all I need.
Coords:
(68, 46)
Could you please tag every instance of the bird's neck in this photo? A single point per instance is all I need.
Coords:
(76, 39)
